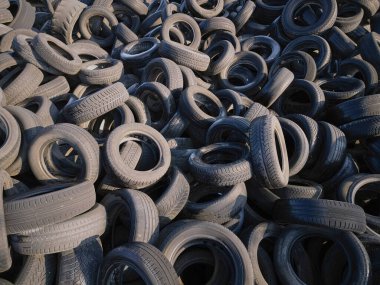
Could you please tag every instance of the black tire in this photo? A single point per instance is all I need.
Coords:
(139, 52)
(47, 205)
(230, 129)
(170, 195)
(38, 269)
(141, 220)
(170, 72)
(354, 250)
(229, 164)
(324, 23)
(305, 43)
(62, 236)
(275, 87)
(158, 100)
(256, 62)
(55, 87)
(297, 145)
(76, 137)
(176, 236)
(68, 62)
(23, 85)
(194, 113)
(360, 69)
(331, 156)
(25, 15)
(252, 237)
(96, 104)
(261, 45)
(219, 209)
(198, 11)
(267, 140)
(101, 72)
(146, 261)
(342, 88)
(133, 178)
(11, 146)
(5, 254)
(81, 264)
(323, 213)
(84, 26)
(292, 100)
(306, 69)
(65, 17)
(300, 188)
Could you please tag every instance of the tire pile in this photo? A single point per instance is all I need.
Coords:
(189, 142)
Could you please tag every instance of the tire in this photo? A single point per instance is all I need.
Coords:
(96, 104)
(77, 138)
(81, 264)
(231, 129)
(300, 188)
(198, 11)
(362, 128)
(43, 46)
(30, 126)
(216, 24)
(5, 253)
(266, 140)
(183, 55)
(311, 130)
(88, 50)
(142, 214)
(360, 69)
(224, 51)
(101, 72)
(139, 52)
(317, 42)
(355, 252)
(257, 43)
(38, 269)
(84, 26)
(331, 156)
(188, 233)
(153, 95)
(219, 209)
(324, 23)
(22, 44)
(275, 87)
(231, 100)
(44, 108)
(23, 85)
(194, 113)
(11, 146)
(252, 238)
(338, 89)
(350, 18)
(242, 16)
(137, 6)
(308, 71)
(356, 109)
(55, 87)
(287, 103)
(229, 166)
(140, 113)
(5, 16)
(323, 213)
(170, 195)
(351, 186)
(171, 73)
(132, 178)
(340, 43)
(177, 18)
(145, 260)
(62, 236)
(46, 206)
(65, 17)
(297, 145)
(175, 127)
(25, 15)
(256, 110)
(124, 34)
(256, 62)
